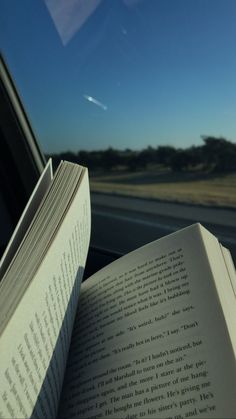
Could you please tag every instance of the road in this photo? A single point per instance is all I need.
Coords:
(121, 224)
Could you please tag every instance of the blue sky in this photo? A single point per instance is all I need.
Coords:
(134, 73)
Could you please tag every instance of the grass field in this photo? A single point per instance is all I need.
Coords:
(192, 188)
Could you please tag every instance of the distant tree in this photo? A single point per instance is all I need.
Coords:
(145, 157)
(131, 160)
(194, 155)
(216, 154)
(186, 159)
(164, 154)
(66, 155)
(69, 156)
(219, 154)
(85, 158)
(179, 161)
(110, 158)
(127, 159)
(227, 161)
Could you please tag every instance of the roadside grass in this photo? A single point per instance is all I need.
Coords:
(190, 188)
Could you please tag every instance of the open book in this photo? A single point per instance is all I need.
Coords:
(151, 335)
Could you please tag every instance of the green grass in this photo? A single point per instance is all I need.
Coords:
(192, 188)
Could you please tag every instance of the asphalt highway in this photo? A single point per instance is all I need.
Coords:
(121, 224)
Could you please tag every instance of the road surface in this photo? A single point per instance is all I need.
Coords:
(121, 224)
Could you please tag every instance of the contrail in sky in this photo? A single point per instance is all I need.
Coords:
(96, 102)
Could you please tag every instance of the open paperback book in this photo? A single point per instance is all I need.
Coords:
(151, 335)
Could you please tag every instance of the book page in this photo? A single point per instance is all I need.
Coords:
(150, 338)
(225, 280)
(26, 217)
(230, 267)
(35, 342)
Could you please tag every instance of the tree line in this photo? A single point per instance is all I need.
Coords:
(216, 154)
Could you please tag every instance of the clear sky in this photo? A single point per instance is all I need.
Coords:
(125, 73)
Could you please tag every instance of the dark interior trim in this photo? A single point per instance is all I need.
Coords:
(17, 132)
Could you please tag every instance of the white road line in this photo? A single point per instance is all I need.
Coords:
(168, 228)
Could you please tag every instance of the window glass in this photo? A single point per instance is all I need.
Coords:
(143, 92)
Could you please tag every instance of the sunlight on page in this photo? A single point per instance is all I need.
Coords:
(35, 342)
(150, 337)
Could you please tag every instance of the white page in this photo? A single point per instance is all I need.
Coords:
(230, 267)
(224, 277)
(150, 339)
(34, 345)
(27, 216)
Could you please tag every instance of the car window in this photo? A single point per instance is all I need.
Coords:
(143, 92)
